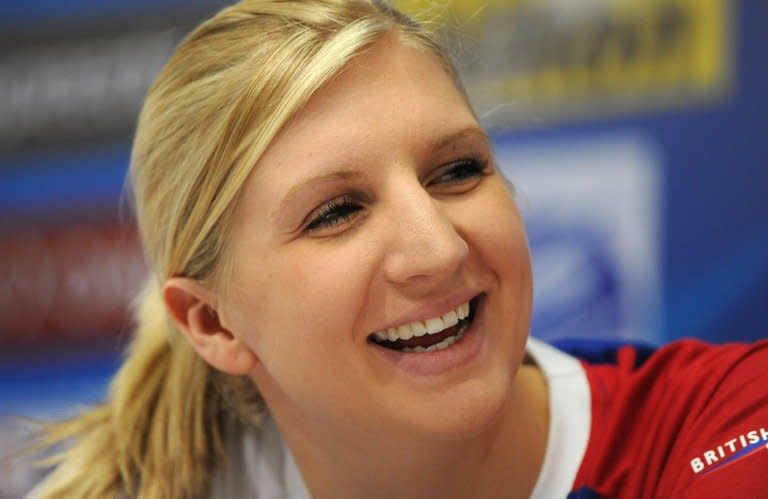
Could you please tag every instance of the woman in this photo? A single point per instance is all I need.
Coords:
(342, 289)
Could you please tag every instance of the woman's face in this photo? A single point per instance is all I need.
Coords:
(378, 212)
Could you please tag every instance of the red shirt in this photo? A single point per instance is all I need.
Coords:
(691, 421)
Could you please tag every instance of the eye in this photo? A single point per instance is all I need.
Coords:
(333, 213)
(462, 174)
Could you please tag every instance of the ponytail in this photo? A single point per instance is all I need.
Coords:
(159, 432)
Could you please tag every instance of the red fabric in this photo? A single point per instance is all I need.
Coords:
(667, 428)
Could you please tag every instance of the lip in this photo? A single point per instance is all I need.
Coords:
(461, 353)
(437, 309)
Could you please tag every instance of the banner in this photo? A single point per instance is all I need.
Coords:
(527, 60)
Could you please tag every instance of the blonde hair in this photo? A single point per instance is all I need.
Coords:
(212, 112)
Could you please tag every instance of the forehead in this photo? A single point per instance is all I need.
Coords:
(391, 103)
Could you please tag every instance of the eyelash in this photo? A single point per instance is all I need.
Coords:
(333, 213)
(462, 170)
(338, 211)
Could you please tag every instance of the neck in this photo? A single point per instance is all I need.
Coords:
(501, 461)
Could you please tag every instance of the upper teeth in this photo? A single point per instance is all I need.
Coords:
(429, 326)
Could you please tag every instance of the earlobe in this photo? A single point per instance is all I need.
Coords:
(192, 309)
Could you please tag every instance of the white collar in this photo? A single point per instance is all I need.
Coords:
(570, 419)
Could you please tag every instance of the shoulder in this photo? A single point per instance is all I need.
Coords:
(687, 416)
(692, 373)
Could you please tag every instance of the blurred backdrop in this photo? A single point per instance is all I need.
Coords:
(633, 131)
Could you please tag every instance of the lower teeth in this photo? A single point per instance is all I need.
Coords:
(439, 346)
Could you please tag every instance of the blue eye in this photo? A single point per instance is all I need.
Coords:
(333, 213)
(461, 171)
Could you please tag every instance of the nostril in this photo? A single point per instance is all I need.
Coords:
(419, 261)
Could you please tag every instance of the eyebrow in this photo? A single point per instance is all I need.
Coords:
(449, 139)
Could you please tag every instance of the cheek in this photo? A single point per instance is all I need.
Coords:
(299, 319)
(501, 246)
(493, 226)
(297, 293)
(323, 289)
(509, 255)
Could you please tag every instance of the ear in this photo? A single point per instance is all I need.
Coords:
(193, 308)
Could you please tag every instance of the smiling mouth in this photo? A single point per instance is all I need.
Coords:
(433, 334)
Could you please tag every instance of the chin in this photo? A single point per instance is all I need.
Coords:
(463, 411)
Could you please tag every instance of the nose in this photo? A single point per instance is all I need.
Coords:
(425, 246)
